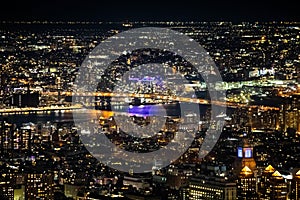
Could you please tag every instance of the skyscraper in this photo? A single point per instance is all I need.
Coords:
(246, 171)
(39, 186)
(6, 137)
(278, 187)
(26, 137)
(264, 187)
(246, 187)
(244, 158)
(7, 186)
(273, 184)
(297, 66)
(295, 194)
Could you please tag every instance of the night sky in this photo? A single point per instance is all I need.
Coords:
(149, 10)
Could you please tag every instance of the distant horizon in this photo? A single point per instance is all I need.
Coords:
(154, 10)
(141, 21)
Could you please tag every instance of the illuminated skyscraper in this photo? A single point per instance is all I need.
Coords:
(290, 113)
(25, 138)
(246, 171)
(244, 158)
(279, 188)
(273, 185)
(247, 184)
(39, 186)
(295, 194)
(6, 137)
(14, 141)
(264, 187)
(297, 66)
(296, 108)
(7, 186)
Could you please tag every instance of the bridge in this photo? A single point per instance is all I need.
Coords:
(124, 95)
(165, 98)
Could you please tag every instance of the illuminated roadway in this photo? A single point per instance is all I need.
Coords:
(166, 98)
(37, 109)
(124, 95)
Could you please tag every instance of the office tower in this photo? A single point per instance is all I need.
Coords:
(264, 185)
(39, 186)
(297, 178)
(297, 66)
(211, 188)
(295, 194)
(244, 168)
(25, 100)
(296, 112)
(25, 136)
(14, 141)
(6, 138)
(273, 185)
(278, 187)
(58, 85)
(244, 158)
(246, 187)
(6, 186)
(44, 131)
(290, 114)
(177, 178)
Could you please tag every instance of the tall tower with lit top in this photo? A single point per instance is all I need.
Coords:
(244, 157)
(247, 185)
(245, 170)
(296, 185)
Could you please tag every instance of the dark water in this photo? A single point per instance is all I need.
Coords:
(53, 117)
(67, 116)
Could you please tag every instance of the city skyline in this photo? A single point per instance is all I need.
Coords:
(52, 114)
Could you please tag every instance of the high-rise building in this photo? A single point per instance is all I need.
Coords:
(272, 185)
(264, 185)
(178, 177)
(26, 137)
(14, 141)
(279, 188)
(245, 170)
(295, 194)
(244, 158)
(25, 100)
(263, 119)
(247, 185)
(6, 137)
(290, 113)
(297, 66)
(4, 80)
(39, 186)
(7, 186)
(12, 186)
(211, 188)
